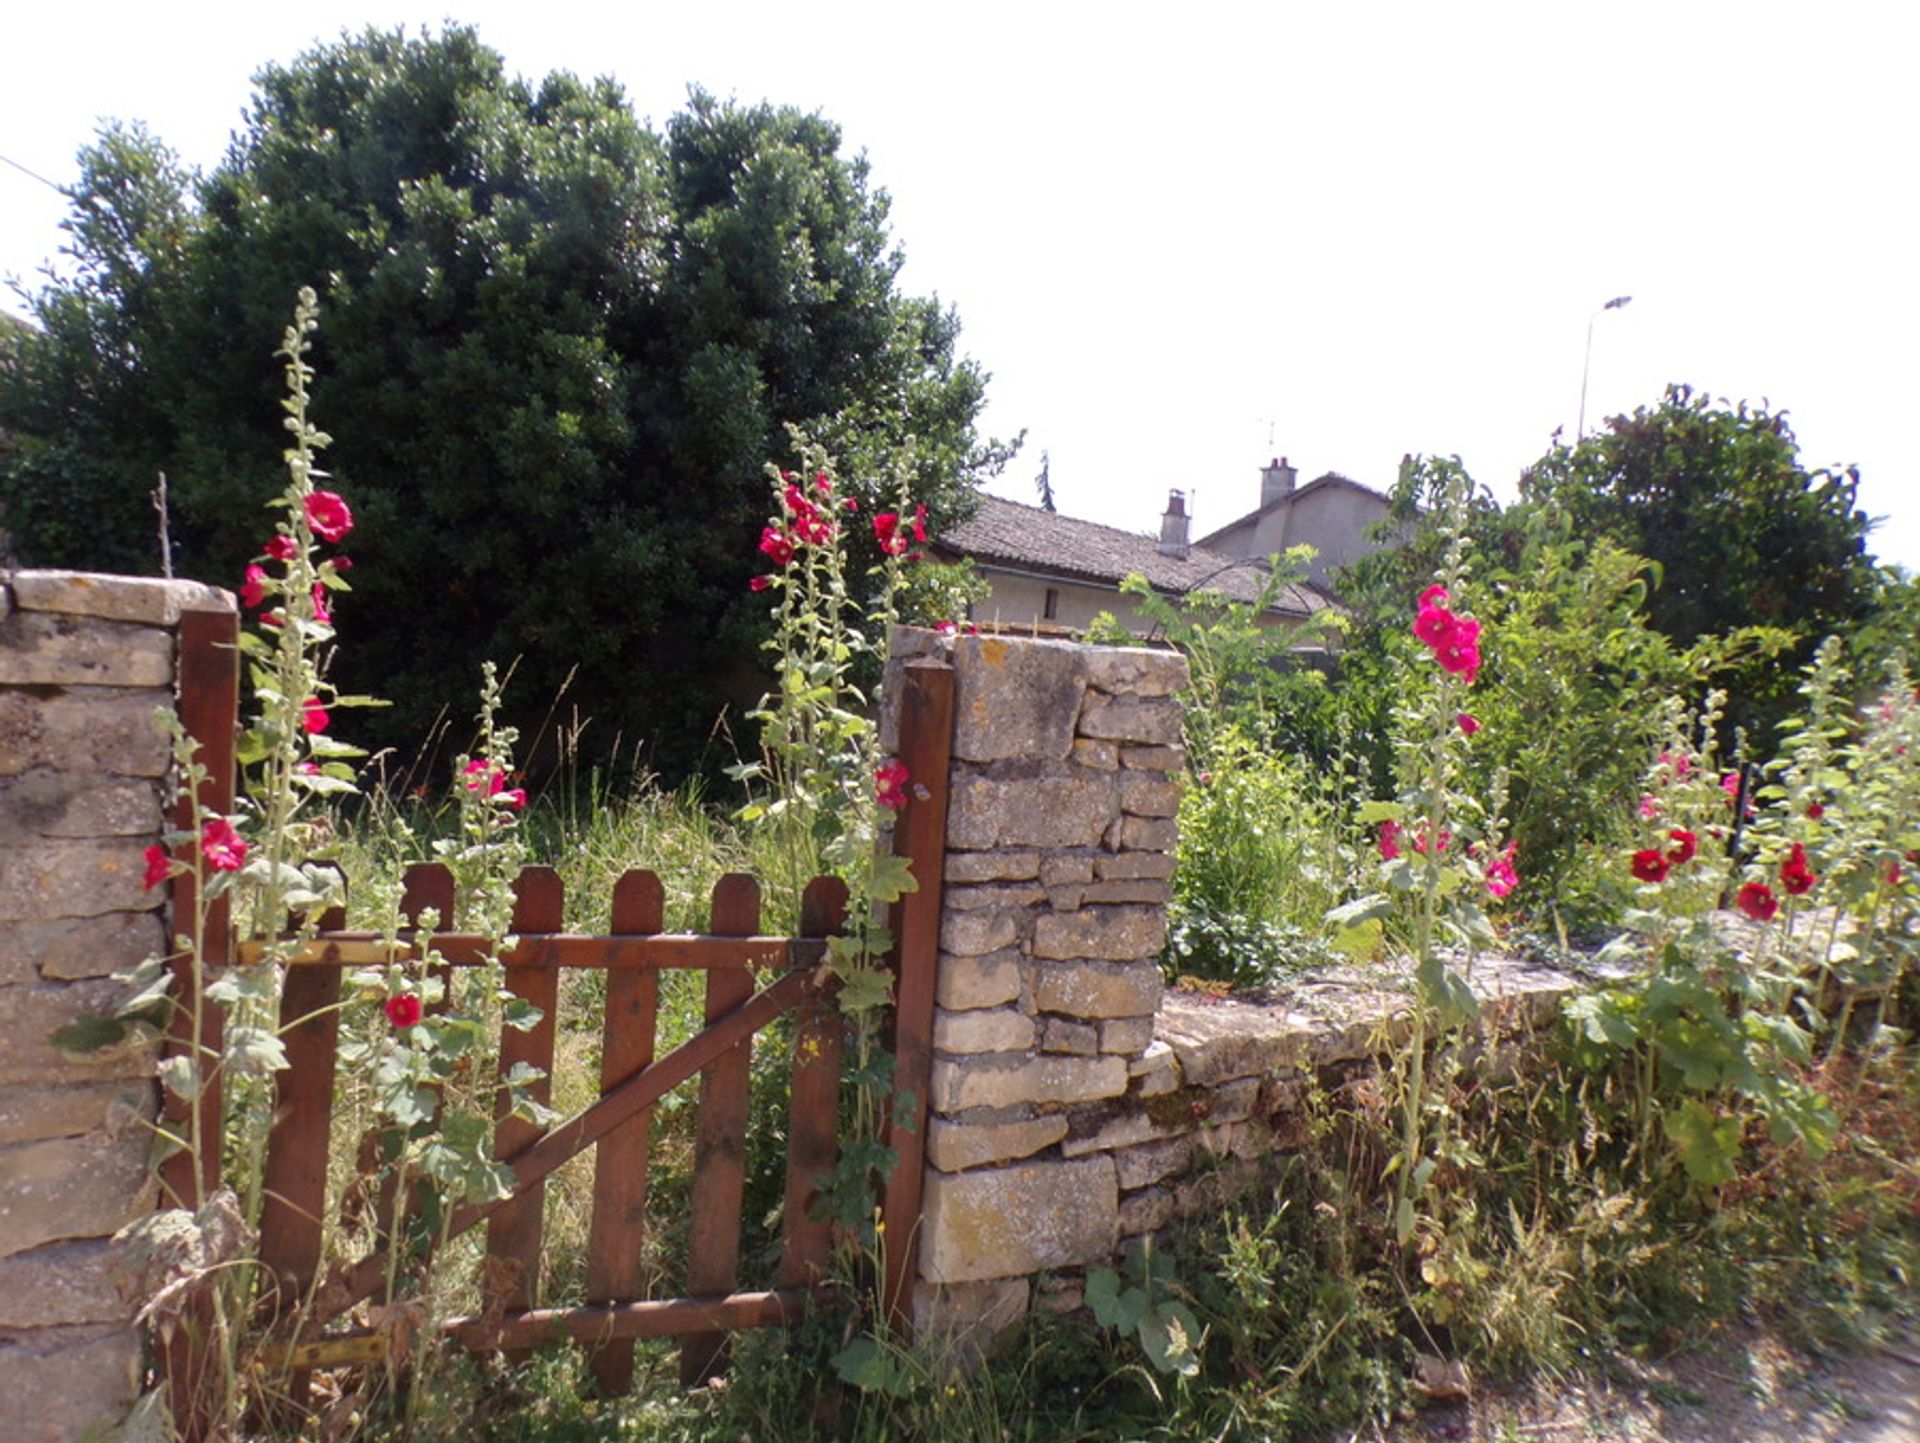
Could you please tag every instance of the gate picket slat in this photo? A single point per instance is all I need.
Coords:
(813, 1125)
(617, 1234)
(294, 1183)
(513, 1233)
(424, 885)
(719, 1176)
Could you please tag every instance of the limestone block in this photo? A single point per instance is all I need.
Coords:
(150, 600)
(973, 899)
(75, 1187)
(1136, 671)
(971, 934)
(1155, 722)
(1147, 834)
(1064, 867)
(1028, 807)
(1144, 794)
(52, 649)
(1217, 1039)
(1111, 934)
(1158, 1057)
(28, 1114)
(1000, 1029)
(1013, 1221)
(958, 1085)
(1154, 759)
(1129, 1036)
(1099, 756)
(1157, 1084)
(1098, 989)
(1074, 1039)
(1108, 1132)
(1247, 1138)
(60, 1285)
(76, 947)
(49, 880)
(991, 866)
(957, 1324)
(1149, 893)
(1066, 899)
(79, 1379)
(29, 1014)
(45, 803)
(111, 730)
(957, 1146)
(989, 980)
(1147, 1211)
(1015, 697)
(1150, 1162)
(1131, 866)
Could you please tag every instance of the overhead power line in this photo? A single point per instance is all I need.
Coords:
(50, 185)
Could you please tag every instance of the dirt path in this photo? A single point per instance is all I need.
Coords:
(1744, 1387)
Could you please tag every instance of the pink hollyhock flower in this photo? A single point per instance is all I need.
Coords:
(1389, 840)
(1420, 841)
(404, 1010)
(1649, 808)
(1685, 846)
(328, 515)
(222, 846)
(343, 563)
(760, 583)
(1730, 784)
(1501, 877)
(321, 612)
(514, 797)
(1462, 658)
(1680, 765)
(1650, 865)
(253, 592)
(313, 716)
(776, 546)
(1468, 722)
(919, 523)
(307, 769)
(280, 547)
(159, 866)
(1434, 625)
(947, 628)
(1434, 596)
(482, 775)
(886, 530)
(813, 528)
(1756, 899)
(1795, 875)
(822, 484)
(1894, 875)
(890, 784)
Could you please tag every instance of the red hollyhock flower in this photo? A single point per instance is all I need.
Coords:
(253, 592)
(760, 583)
(920, 522)
(1650, 865)
(221, 846)
(404, 1010)
(328, 515)
(280, 547)
(1685, 846)
(777, 546)
(159, 866)
(1756, 899)
(1795, 875)
(313, 716)
(890, 784)
(886, 530)
(1468, 722)
(1815, 811)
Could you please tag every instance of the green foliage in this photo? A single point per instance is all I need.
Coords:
(566, 344)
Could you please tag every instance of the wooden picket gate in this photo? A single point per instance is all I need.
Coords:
(299, 1303)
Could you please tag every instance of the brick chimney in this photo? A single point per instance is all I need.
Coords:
(1173, 526)
(1276, 481)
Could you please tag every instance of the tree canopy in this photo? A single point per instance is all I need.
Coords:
(556, 349)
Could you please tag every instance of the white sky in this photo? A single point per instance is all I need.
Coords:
(1173, 232)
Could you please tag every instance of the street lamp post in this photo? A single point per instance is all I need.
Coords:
(1586, 367)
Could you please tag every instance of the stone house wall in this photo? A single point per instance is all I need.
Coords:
(85, 661)
(1074, 1103)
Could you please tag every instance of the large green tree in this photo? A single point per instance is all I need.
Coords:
(556, 349)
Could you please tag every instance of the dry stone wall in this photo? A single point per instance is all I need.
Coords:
(1074, 1103)
(85, 661)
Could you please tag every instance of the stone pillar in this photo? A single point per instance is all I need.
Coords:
(1060, 840)
(85, 661)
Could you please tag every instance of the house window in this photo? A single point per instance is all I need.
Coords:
(1052, 604)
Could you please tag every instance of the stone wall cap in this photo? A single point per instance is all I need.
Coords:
(152, 600)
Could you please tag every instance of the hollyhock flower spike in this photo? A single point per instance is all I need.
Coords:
(159, 866)
(253, 592)
(1756, 899)
(328, 515)
(405, 1010)
(222, 846)
(1650, 865)
(1686, 845)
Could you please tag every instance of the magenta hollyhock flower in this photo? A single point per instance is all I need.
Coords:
(1434, 625)
(159, 866)
(1650, 865)
(328, 516)
(886, 530)
(1649, 808)
(1686, 845)
(253, 592)
(1434, 596)
(890, 784)
(1756, 899)
(1795, 875)
(1501, 877)
(1389, 840)
(1467, 722)
(760, 583)
(313, 716)
(280, 547)
(322, 613)
(776, 546)
(1730, 784)
(514, 797)
(221, 846)
(404, 1010)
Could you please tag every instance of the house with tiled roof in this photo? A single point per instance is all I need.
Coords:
(1050, 571)
(1333, 514)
